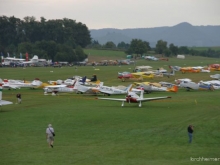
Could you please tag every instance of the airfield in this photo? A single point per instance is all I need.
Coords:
(90, 131)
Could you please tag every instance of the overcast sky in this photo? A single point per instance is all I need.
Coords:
(120, 14)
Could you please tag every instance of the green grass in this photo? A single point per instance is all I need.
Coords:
(90, 131)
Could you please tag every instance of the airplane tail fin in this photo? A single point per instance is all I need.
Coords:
(129, 88)
(173, 89)
(83, 80)
(142, 94)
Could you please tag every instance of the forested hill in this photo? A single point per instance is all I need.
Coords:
(183, 34)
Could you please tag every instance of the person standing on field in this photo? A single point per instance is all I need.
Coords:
(19, 98)
(50, 135)
(190, 133)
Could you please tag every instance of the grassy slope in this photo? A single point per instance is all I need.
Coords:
(90, 131)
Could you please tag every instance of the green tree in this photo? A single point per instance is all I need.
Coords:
(173, 49)
(123, 45)
(25, 47)
(183, 50)
(138, 47)
(110, 45)
(161, 46)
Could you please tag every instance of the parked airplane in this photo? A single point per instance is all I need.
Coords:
(156, 87)
(134, 98)
(54, 89)
(214, 83)
(215, 76)
(16, 84)
(175, 68)
(32, 61)
(79, 88)
(113, 91)
(9, 60)
(151, 58)
(178, 81)
(196, 86)
(36, 60)
(3, 102)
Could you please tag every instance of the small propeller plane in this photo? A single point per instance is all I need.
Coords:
(196, 86)
(115, 91)
(152, 87)
(3, 102)
(132, 97)
(215, 76)
(87, 89)
(54, 89)
(139, 76)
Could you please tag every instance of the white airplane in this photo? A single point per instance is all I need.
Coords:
(215, 76)
(115, 91)
(196, 86)
(134, 98)
(172, 73)
(87, 89)
(11, 60)
(3, 102)
(151, 58)
(201, 68)
(17, 84)
(32, 61)
(156, 87)
(166, 84)
(178, 81)
(175, 68)
(7, 85)
(214, 83)
(54, 89)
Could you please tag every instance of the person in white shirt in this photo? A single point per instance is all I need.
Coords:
(50, 135)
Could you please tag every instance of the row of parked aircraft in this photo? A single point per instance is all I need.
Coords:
(132, 96)
(82, 85)
(20, 61)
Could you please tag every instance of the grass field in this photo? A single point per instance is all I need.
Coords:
(94, 132)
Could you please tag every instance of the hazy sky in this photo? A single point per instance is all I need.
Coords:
(119, 14)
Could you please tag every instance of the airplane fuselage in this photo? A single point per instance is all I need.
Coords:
(131, 100)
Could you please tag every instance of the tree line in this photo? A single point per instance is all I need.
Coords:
(139, 47)
(59, 40)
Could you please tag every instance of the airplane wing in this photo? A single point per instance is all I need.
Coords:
(112, 99)
(153, 98)
(55, 86)
(10, 86)
(3, 102)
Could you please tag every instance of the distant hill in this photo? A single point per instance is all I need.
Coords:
(183, 34)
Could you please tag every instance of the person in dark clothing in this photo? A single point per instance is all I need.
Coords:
(19, 98)
(94, 78)
(190, 133)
